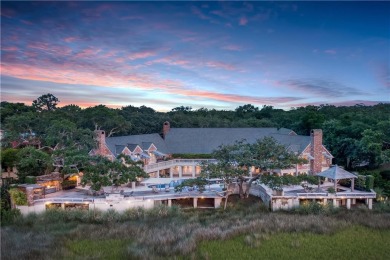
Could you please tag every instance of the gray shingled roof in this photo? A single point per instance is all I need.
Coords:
(132, 147)
(295, 143)
(145, 145)
(119, 148)
(206, 140)
(336, 173)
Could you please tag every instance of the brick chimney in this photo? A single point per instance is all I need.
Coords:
(316, 151)
(101, 139)
(166, 128)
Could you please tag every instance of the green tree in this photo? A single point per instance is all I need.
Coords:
(32, 162)
(102, 172)
(62, 133)
(102, 117)
(371, 148)
(10, 109)
(234, 161)
(9, 158)
(45, 102)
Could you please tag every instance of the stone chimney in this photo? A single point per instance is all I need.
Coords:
(316, 151)
(101, 139)
(166, 128)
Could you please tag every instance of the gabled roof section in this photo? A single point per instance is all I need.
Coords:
(132, 147)
(148, 146)
(119, 149)
(156, 139)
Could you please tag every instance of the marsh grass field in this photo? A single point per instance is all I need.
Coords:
(246, 230)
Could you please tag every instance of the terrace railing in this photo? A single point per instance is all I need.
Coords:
(337, 195)
(175, 162)
(64, 200)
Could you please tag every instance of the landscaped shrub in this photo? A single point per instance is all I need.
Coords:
(18, 196)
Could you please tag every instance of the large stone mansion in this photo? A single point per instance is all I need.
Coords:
(155, 149)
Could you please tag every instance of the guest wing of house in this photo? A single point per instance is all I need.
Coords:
(152, 148)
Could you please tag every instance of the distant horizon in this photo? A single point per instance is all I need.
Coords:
(217, 55)
(60, 105)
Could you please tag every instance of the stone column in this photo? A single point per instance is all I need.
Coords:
(325, 201)
(158, 174)
(348, 203)
(335, 203)
(193, 171)
(195, 203)
(180, 171)
(217, 202)
(30, 196)
(171, 172)
(353, 201)
(133, 185)
(169, 203)
(369, 203)
(63, 206)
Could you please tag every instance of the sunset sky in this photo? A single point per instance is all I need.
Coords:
(200, 54)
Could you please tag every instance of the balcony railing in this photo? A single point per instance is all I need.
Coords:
(64, 200)
(176, 162)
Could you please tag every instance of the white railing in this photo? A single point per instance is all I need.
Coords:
(176, 162)
(64, 200)
(338, 195)
(314, 194)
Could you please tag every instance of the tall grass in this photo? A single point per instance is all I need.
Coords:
(351, 243)
(165, 232)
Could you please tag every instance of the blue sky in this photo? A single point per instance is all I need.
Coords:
(201, 54)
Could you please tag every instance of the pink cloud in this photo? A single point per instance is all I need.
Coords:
(57, 50)
(110, 54)
(71, 75)
(243, 21)
(141, 55)
(70, 39)
(220, 65)
(11, 48)
(88, 52)
(171, 60)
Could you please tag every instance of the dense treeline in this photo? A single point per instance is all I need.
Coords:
(355, 135)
